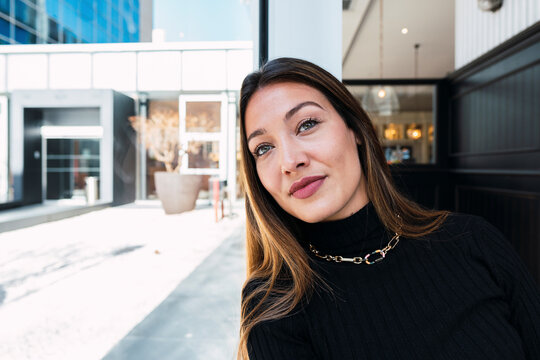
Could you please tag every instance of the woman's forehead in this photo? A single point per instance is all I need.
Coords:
(286, 89)
(279, 98)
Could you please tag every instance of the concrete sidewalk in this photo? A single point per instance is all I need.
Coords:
(122, 283)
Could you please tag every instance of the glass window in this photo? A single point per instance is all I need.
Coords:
(203, 133)
(103, 37)
(203, 154)
(53, 29)
(167, 112)
(69, 17)
(69, 162)
(25, 14)
(69, 37)
(4, 6)
(115, 33)
(87, 30)
(125, 30)
(203, 116)
(87, 11)
(103, 8)
(114, 15)
(51, 7)
(102, 22)
(126, 7)
(403, 117)
(24, 37)
(73, 3)
(4, 27)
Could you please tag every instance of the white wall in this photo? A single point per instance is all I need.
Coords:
(478, 31)
(126, 67)
(307, 29)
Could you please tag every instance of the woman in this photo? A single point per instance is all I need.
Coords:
(342, 266)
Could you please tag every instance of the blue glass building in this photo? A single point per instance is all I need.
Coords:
(68, 21)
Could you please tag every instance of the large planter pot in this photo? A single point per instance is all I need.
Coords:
(177, 192)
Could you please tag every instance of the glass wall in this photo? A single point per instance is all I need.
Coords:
(404, 119)
(68, 21)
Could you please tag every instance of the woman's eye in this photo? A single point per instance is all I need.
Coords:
(261, 150)
(306, 125)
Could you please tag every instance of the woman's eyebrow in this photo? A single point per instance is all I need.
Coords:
(288, 115)
(295, 109)
(256, 133)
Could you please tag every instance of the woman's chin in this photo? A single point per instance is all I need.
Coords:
(312, 214)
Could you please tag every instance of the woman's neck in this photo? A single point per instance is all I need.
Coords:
(362, 231)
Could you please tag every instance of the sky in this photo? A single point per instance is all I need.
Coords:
(203, 20)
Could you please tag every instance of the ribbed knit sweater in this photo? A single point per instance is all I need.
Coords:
(460, 293)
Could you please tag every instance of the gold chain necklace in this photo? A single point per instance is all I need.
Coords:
(381, 253)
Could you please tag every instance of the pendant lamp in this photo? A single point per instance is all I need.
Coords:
(380, 99)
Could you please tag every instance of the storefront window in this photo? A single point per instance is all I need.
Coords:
(203, 132)
(167, 110)
(203, 116)
(203, 154)
(403, 118)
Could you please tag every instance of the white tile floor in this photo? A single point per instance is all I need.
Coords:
(72, 289)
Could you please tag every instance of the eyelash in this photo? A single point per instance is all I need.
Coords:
(309, 120)
(312, 121)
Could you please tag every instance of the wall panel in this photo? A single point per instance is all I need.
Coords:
(494, 140)
(510, 211)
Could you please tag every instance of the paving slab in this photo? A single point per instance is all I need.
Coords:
(75, 288)
(199, 319)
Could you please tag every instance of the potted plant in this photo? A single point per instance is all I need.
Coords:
(176, 191)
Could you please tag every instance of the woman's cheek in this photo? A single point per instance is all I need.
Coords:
(266, 177)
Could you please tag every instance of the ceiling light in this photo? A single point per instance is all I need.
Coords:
(381, 100)
(404, 31)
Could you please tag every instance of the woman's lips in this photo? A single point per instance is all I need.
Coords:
(306, 187)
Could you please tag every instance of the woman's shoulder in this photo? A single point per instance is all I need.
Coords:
(480, 241)
(470, 235)
(460, 225)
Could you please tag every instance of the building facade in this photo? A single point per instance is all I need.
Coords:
(69, 21)
(65, 109)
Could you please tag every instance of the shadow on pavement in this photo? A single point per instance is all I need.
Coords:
(199, 319)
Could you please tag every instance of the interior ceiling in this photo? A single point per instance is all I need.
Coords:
(430, 24)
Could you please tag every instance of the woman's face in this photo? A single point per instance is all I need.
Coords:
(306, 156)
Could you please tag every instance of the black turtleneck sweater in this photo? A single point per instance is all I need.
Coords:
(460, 293)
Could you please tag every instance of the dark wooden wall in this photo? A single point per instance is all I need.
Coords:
(488, 145)
(494, 142)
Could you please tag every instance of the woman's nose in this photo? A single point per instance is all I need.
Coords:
(293, 157)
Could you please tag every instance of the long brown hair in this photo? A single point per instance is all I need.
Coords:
(272, 250)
